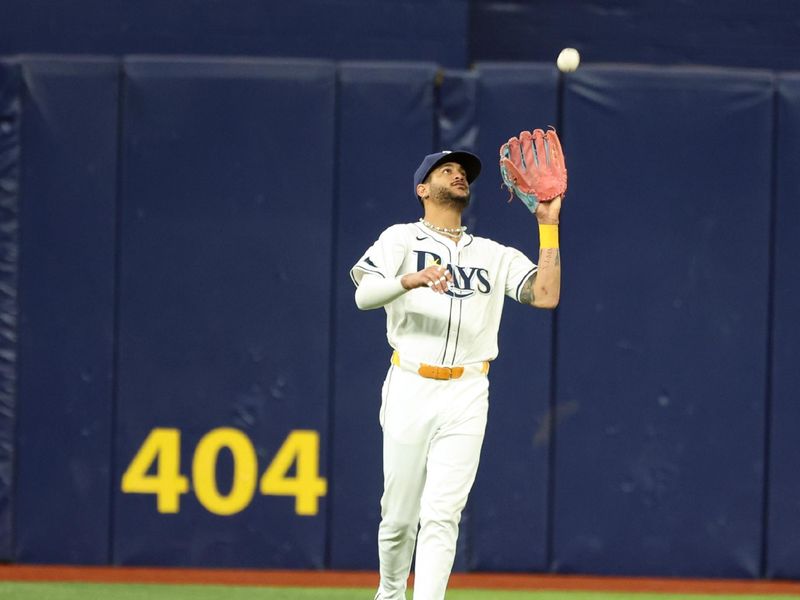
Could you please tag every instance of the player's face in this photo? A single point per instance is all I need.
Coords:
(448, 183)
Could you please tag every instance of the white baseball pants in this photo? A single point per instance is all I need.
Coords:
(432, 436)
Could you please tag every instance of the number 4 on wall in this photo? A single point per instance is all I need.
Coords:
(162, 449)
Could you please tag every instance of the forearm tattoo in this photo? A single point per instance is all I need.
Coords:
(526, 293)
(548, 258)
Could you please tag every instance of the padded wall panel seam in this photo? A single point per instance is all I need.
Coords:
(783, 536)
(10, 151)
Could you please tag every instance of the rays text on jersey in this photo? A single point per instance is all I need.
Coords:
(466, 280)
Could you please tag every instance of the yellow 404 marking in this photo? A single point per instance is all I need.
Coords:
(162, 448)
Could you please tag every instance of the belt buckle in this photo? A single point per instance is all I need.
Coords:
(440, 373)
(444, 373)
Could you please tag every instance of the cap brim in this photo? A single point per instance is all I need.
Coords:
(470, 162)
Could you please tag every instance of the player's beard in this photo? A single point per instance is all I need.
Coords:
(443, 195)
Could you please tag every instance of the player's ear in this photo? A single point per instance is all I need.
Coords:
(422, 190)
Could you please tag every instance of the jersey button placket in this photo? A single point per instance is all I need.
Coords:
(454, 321)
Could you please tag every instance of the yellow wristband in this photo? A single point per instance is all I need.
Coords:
(548, 236)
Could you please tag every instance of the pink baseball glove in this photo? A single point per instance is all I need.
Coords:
(533, 167)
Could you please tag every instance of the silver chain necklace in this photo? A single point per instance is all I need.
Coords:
(452, 231)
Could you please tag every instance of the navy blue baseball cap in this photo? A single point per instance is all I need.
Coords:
(470, 162)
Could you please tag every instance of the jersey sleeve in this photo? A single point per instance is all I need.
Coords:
(384, 258)
(520, 269)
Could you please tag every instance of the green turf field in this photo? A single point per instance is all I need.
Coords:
(98, 591)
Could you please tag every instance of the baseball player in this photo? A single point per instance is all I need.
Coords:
(443, 291)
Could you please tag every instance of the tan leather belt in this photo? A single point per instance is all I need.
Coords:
(440, 372)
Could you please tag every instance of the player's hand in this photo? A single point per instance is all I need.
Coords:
(435, 277)
(547, 212)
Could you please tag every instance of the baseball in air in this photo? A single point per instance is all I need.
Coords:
(568, 60)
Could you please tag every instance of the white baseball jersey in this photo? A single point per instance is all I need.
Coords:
(458, 327)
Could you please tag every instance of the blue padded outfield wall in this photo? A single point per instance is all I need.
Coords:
(784, 491)
(66, 290)
(663, 326)
(223, 317)
(453, 33)
(196, 387)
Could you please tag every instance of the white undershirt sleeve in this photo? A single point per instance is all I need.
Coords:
(374, 291)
